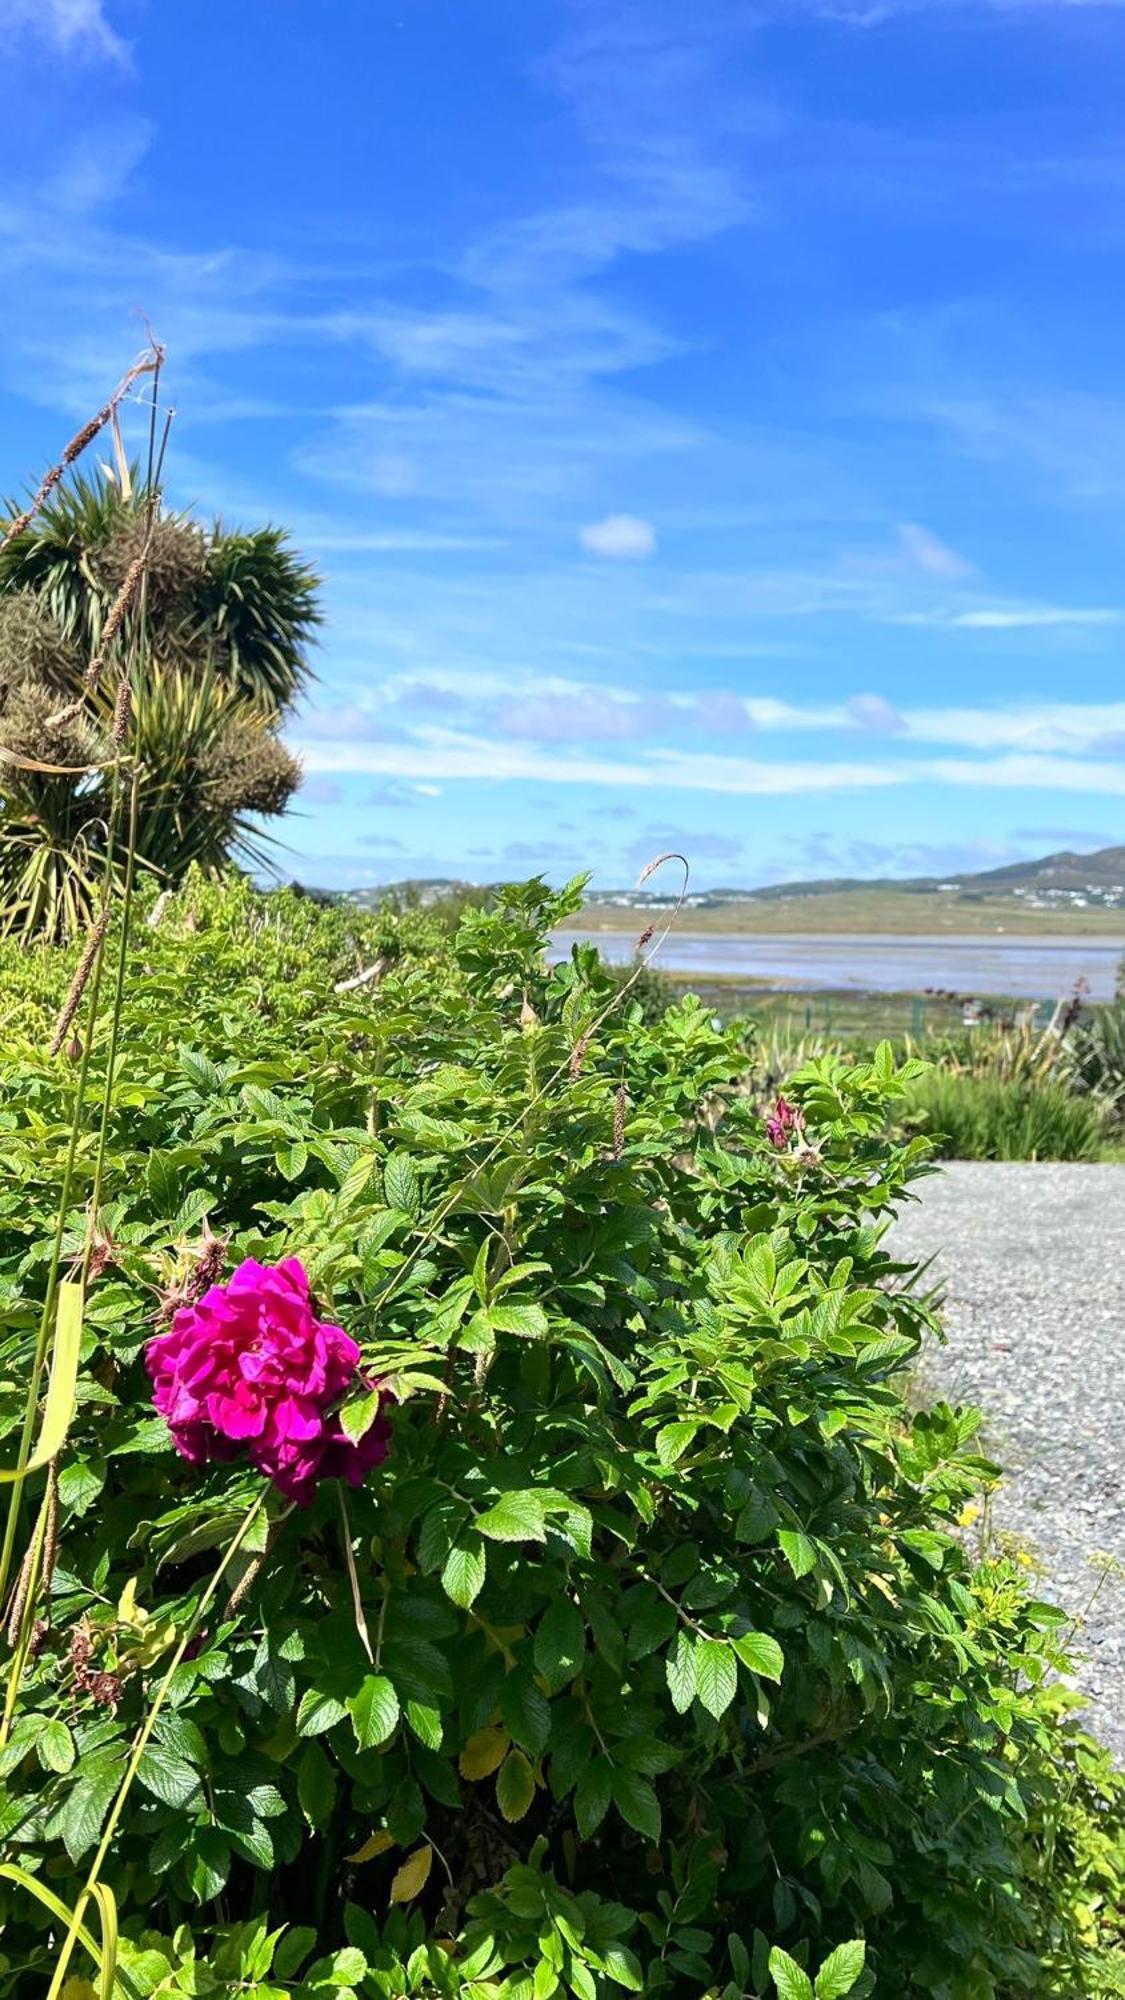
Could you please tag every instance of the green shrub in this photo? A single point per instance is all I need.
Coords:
(1095, 1058)
(1005, 1118)
(650, 1660)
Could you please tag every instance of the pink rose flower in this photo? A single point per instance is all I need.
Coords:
(250, 1367)
(786, 1118)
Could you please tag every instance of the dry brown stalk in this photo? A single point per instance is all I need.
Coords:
(620, 1104)
(146, 364)
(122, 710)
(80, 981)
(112, 626)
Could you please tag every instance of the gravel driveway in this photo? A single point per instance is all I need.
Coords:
(1032, 1259)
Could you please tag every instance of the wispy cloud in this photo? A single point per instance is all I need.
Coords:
(69, 27)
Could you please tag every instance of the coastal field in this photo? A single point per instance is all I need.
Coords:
(889, 911)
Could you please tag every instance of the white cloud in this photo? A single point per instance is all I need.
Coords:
(1026, 618)
(620, 537)
(927, 553)
(71, 27)
(447, 754)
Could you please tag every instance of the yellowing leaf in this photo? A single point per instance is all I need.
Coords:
(483, 1753)
(128, 1612)
(413, 1875)
(59, 1407)
(374, 1845)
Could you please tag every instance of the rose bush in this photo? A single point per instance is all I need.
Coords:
(651, 1656)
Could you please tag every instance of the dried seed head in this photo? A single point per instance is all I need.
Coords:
(105, 1689)
(646, 937)
(80, 981)
(620, 1104)
(578, 1057)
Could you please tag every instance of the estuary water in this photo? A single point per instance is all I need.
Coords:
(1018, 968)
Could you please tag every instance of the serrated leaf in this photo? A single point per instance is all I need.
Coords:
(425, 1722)
(560, 1643)
(790, 1981)
(673, 1441)
(54, 1747)
(592, 1795)
(716, 1675)
(516, 1517)
(167, 1776)
(761, 1654)
(797, 1549)
(463, 1576)
(483, 1753)
(357, 1418)
(400, 1185)
(318, 1711)
(412, 1877)
(679, 1668)
(515, 1786)
(525, 1711)
(86, 1808)
(374, 1709)
(637, 1802)
(840, 1970)
(623, 1967)
(525, 1319)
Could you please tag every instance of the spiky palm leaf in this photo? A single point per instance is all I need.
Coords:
(243, 604)
(200, 750)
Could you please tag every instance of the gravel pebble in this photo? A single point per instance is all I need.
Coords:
(1032, 1262)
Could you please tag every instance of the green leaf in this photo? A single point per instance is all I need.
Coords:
(374, 1711)
(716, 1676)
(560, 1643)
(515, 1786)
(798, 1551)
(425, 1721)
(592, 1795)
(80, 1483)
(525, 1711)
(292, 1160)
(54, 1746)
(464, 1573)
(516, 1517)
(623, 1967)
(673, 1441)
(292, 1951)
(840, 1970)
(318, 1711)
(357, 1418)
(637, 1802)
(679, 1666)
(86, 1808)
(167, 1776)
(400, 1185)
(529, 1321)
(791, 1982)
(316, 1785)
(761, 1654)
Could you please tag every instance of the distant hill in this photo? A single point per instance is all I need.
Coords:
(1102, 873)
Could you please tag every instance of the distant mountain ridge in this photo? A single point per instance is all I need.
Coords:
(1100, 876)
(1105, 869)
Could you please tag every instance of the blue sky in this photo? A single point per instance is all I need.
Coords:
(709, 420)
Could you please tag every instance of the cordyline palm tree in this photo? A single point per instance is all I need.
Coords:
(216, 646)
